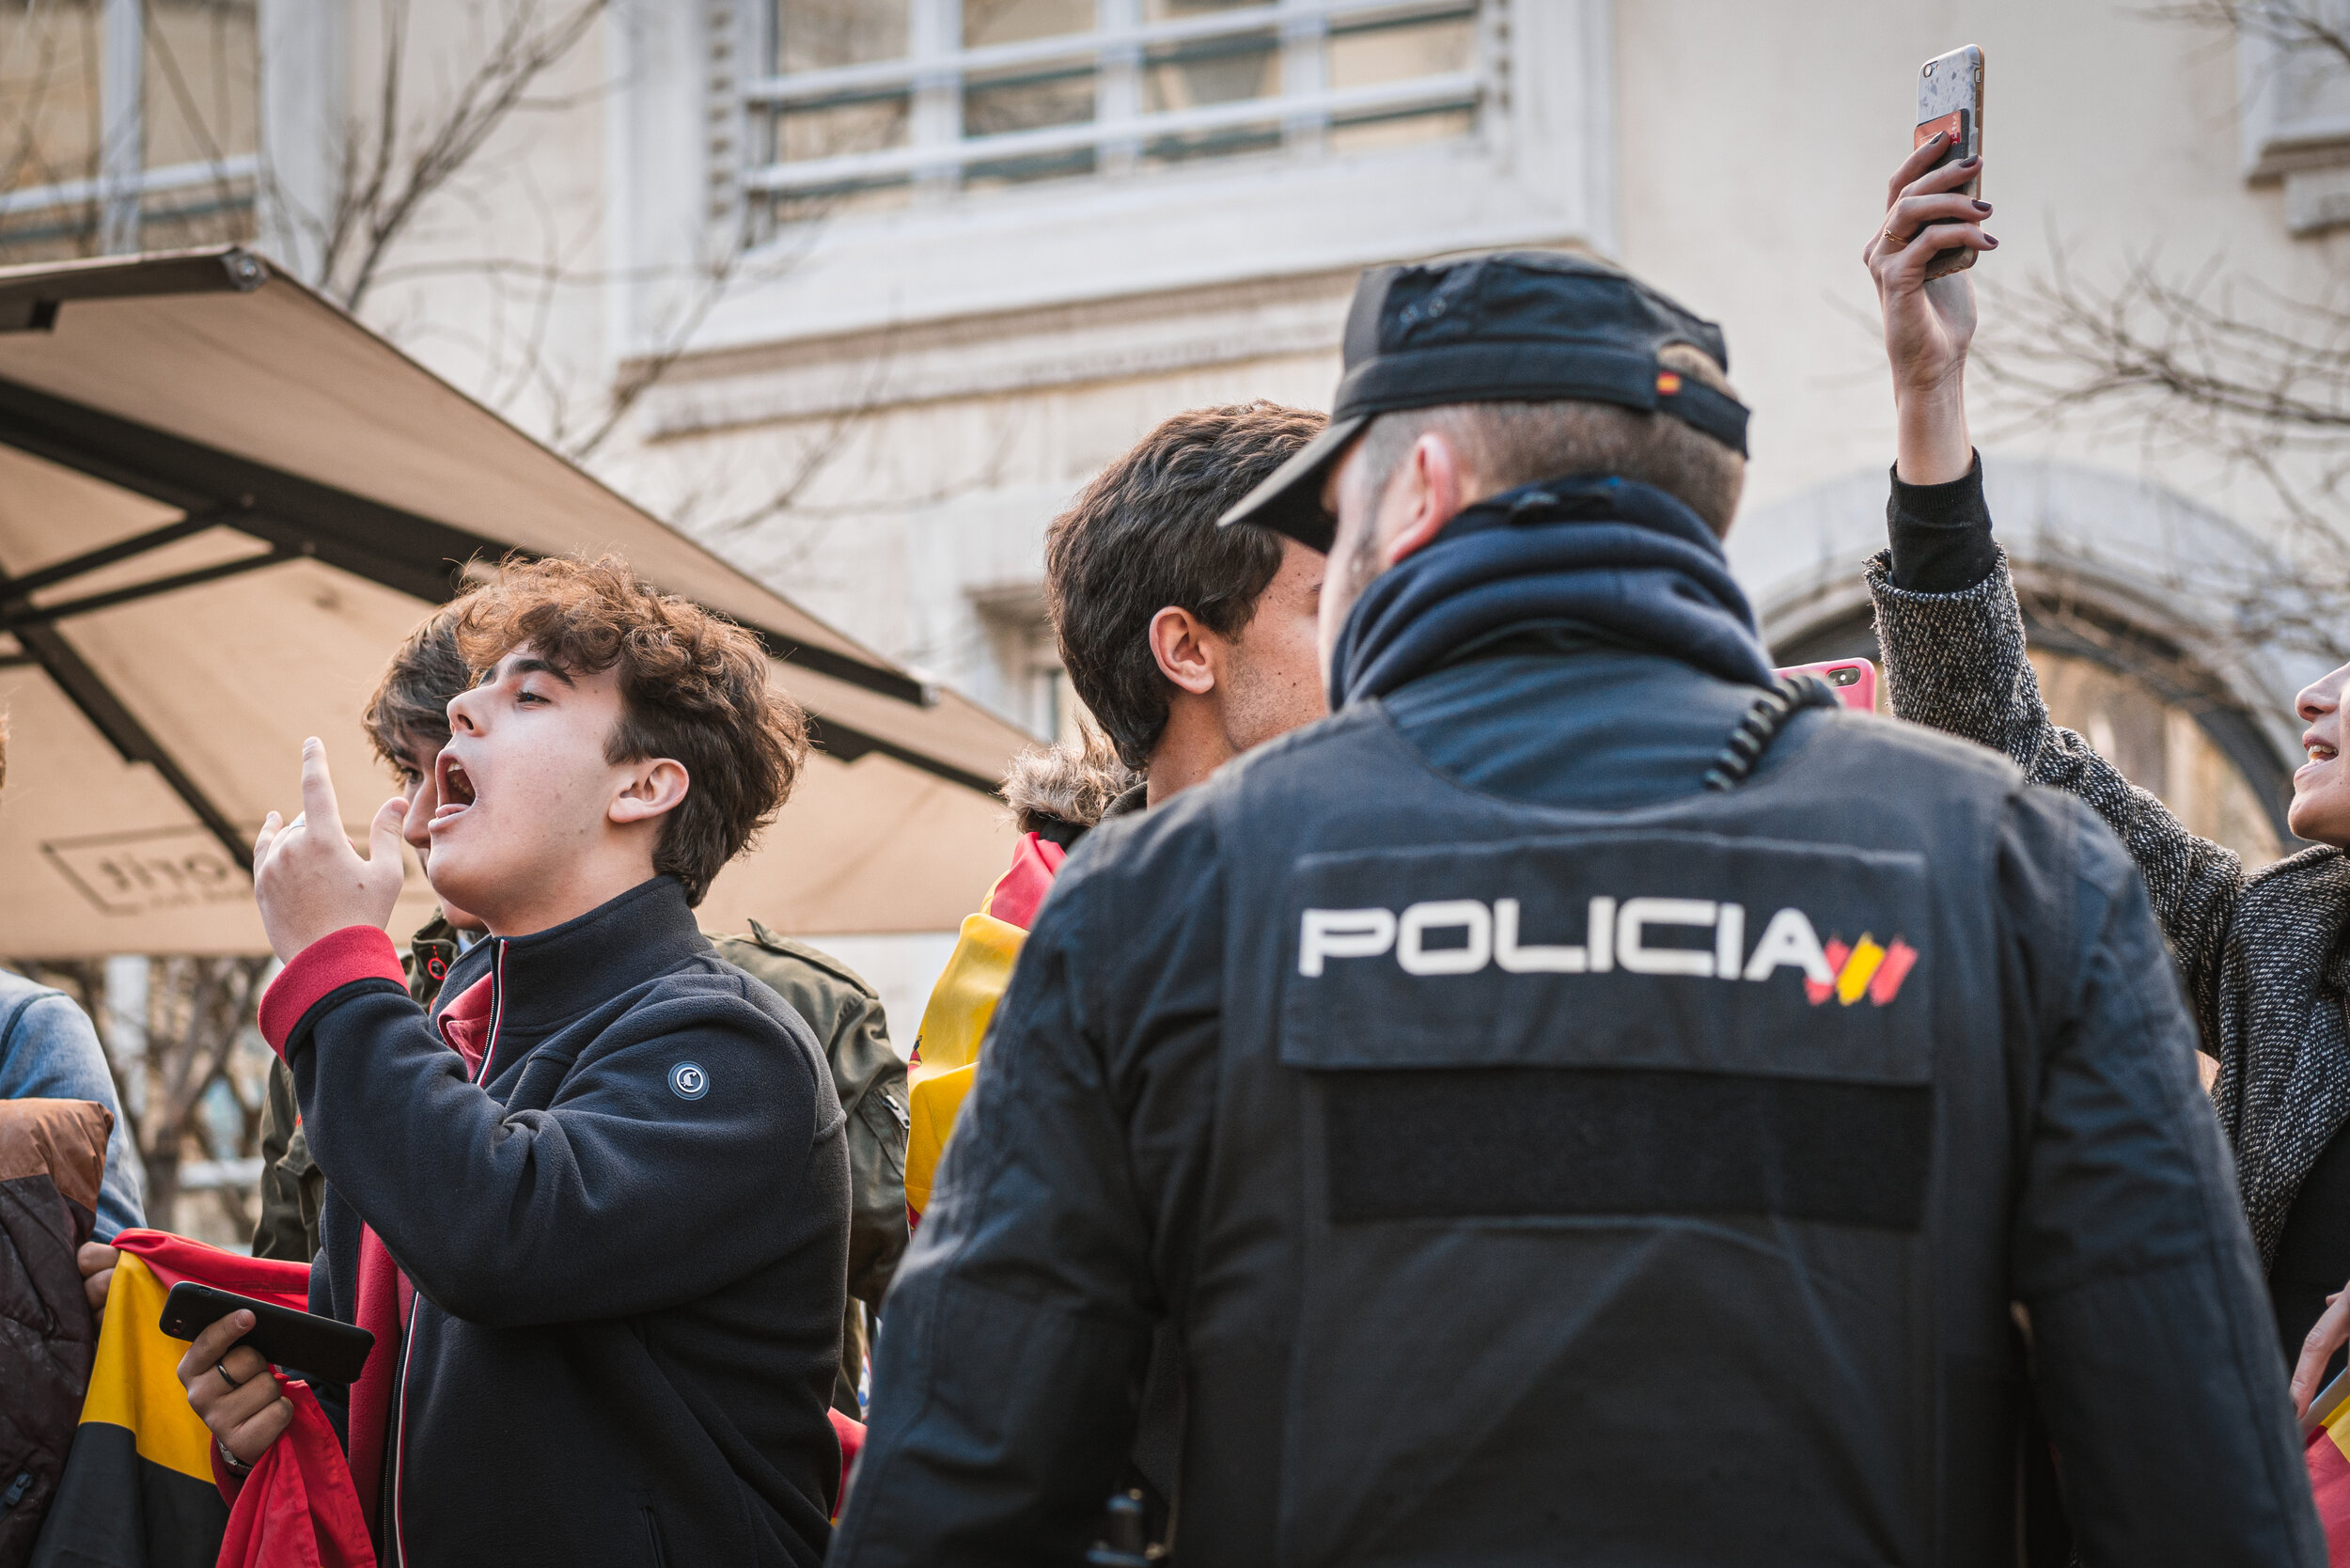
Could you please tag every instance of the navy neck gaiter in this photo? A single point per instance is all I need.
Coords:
(1610, 556)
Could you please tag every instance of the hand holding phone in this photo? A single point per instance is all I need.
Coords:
(322, 1347)
(1930, 213)
(233, 1392)
(1950, 104)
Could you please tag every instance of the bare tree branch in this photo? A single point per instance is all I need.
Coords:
(2287, 24)
(380, 208)
(2223, 368)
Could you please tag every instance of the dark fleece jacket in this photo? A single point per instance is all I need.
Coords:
(629, 1244)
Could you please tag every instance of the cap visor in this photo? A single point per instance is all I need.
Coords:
(1290, 500)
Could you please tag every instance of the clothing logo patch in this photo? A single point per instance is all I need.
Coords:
(1628, 934)
(687, 1081)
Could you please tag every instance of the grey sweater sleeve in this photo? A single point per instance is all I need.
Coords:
(1956, 662)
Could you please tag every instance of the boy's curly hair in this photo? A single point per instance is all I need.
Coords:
(692, 686)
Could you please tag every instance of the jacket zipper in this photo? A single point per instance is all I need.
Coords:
(408, 1335)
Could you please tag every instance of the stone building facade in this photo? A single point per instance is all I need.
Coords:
(880, 283)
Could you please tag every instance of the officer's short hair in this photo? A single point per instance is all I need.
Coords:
(425, 675)
(1506, 444)
(1143, 536)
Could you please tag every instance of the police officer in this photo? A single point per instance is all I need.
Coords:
(1583, 1101)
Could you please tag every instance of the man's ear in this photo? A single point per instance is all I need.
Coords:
(1430, 486)
(1179, 642)
(653, 787)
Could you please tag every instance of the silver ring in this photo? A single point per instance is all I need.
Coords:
(224, 1376)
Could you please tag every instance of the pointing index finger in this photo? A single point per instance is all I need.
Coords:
(318, 788)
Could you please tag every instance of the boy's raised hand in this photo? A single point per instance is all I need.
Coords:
(309, 880)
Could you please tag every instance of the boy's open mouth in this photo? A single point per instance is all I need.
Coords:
(456, 789)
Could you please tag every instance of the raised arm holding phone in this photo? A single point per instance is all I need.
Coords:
(2254, 949)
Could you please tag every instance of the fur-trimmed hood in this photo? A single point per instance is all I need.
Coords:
(1053, 789)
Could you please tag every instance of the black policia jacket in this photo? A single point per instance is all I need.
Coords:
(629, 1243)
(1533, 1182)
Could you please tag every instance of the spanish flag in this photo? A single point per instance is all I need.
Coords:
(946, 1048)
(138, 1489)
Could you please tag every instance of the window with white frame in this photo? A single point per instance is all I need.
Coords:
(897, 161)
(126, 124)
(872, 104)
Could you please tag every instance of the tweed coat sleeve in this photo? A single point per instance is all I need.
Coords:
(1956, 662)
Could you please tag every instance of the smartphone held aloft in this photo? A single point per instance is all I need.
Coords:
(1949, 100)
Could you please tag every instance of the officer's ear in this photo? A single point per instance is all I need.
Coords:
(1425, 494)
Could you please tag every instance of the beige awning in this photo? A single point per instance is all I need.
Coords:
(222, 501)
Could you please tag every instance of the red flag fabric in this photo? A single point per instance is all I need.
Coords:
(2329, 1480)
(851, 1435)
(1035, 861)
(172, 1259)
(297, 1508)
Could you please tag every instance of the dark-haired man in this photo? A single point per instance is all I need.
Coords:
(1188, 643)
(594, 1206)
(1584, 1098)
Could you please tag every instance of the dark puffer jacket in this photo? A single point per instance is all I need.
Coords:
(52, 1156)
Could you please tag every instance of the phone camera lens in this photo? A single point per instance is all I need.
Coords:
(1928, 71)
(1844, 677)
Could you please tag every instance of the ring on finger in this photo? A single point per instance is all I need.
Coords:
(221, 1368)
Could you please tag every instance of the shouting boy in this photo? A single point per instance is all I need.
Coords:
(618, 1205)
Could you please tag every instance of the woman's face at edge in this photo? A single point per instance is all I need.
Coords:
(2321, 786)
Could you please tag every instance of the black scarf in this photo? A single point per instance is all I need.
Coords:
(1603, 556)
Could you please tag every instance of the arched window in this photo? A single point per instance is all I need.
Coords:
(2124, 656)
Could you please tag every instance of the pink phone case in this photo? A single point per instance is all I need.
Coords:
(1854, 679)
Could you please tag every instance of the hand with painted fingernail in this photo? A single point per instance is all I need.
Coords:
(1929, 322)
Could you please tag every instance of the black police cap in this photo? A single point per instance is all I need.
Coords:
(1530, 326)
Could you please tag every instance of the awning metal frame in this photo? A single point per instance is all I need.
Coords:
(296, 518)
